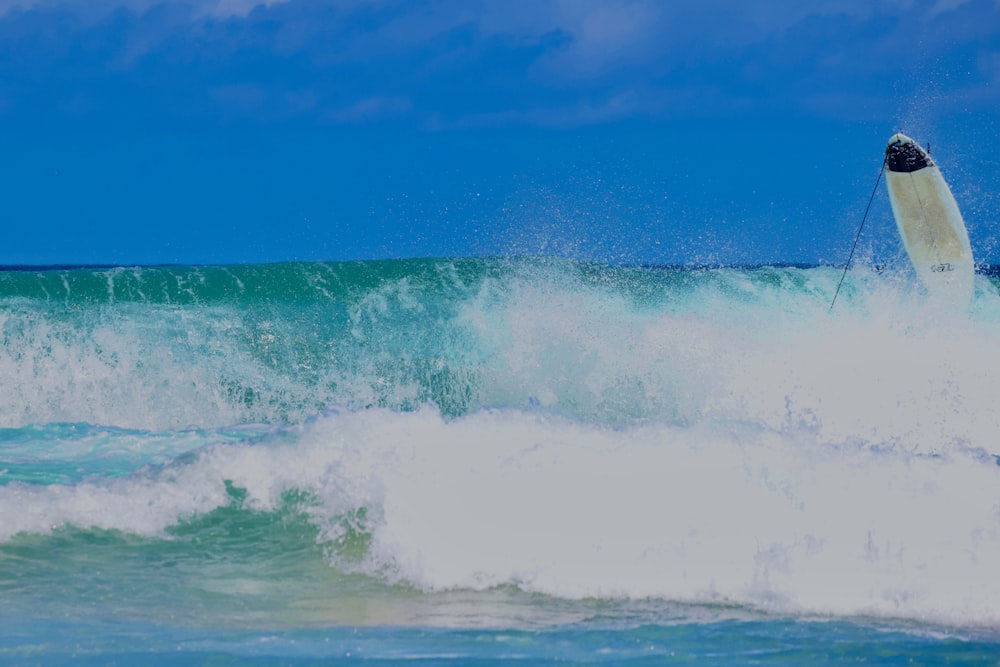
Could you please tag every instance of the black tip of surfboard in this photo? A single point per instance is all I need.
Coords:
(905, 155)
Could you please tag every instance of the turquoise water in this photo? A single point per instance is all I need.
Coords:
(485, 460)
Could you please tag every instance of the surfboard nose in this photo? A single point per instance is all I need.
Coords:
(903, 154)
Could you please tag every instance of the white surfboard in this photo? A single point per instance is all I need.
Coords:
(929, 222)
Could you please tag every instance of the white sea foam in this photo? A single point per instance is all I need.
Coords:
(703, 514)
(133, 367)
(734, 513)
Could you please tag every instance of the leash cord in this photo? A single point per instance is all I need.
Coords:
(858, 235)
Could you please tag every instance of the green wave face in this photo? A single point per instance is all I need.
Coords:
(203, 347)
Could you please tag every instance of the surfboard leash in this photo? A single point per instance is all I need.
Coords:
(862, 226)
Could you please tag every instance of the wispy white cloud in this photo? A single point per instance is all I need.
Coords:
(98, 8)
(234, 7)
(545, 62)
(370, 108)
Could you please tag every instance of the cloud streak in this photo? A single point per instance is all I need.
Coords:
(95, 9)
(490, 61)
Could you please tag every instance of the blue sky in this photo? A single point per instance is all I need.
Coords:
(213, 131)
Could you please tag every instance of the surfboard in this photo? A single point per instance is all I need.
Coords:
(929, 222)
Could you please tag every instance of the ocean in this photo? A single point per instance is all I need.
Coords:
(496, 460)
